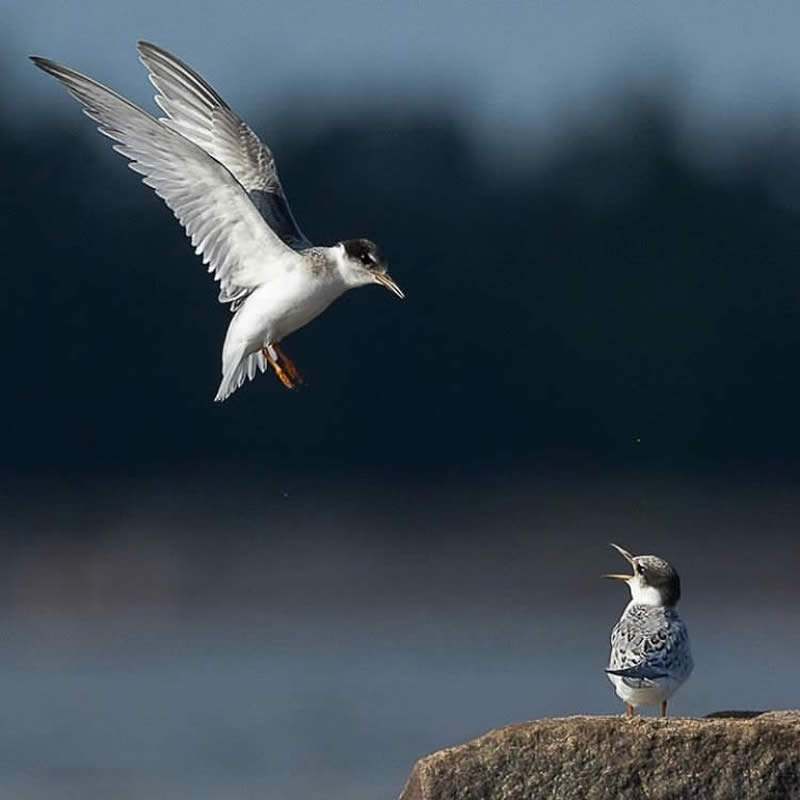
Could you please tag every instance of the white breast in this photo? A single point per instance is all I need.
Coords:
(279, 308)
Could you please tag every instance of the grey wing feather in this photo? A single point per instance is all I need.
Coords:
(646, 644)
(196, 110)
(219, 217)
(642, 672)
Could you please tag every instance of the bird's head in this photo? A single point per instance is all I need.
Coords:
(361, 263)
(654, 582)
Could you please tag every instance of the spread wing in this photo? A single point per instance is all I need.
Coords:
(194, 109)
(647, 644)
(225, 227)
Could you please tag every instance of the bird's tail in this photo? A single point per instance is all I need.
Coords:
(234, 376)
(639, 675)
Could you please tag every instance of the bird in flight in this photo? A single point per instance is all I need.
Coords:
(221, 182)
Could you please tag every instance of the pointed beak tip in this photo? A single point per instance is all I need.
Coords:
(388, 283)
(623, 552)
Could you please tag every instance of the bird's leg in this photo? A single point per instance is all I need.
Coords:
(663, 708)
(629, 710)
(288, 364)
(279, 371)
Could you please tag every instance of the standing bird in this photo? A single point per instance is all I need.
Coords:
(222, 184)
(650, 656)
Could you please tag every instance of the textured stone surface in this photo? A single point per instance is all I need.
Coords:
(735, 756)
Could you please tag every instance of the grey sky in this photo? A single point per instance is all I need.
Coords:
(511, 64)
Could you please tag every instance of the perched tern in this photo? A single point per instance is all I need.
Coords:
(650, 654)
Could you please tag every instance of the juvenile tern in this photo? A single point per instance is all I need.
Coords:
(221, 182)
(650, 655)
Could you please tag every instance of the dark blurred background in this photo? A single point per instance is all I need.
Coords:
(593, 210)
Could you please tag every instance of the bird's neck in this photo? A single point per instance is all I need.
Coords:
(646, 596)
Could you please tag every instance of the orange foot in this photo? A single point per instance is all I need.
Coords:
(279, 371)
(288, 365)
(629, 710)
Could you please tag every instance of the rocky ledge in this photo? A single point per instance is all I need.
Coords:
(729, 755)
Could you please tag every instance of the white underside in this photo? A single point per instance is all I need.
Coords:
(662, 689)
(268, 315)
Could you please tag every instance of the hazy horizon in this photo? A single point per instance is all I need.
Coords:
(512, 71)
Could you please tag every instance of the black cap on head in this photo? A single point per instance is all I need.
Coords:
(365, 252)
(661, 575)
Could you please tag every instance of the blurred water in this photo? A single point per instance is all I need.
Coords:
(318, 650)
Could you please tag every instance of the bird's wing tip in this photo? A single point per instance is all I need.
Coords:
(146, 48)
(46, 64)
(638, 671)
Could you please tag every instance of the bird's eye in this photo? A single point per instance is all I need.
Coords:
(367, 259)
(640, 569)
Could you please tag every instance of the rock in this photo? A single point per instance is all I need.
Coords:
(731, 756)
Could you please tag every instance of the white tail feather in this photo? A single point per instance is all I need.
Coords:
(247, 367)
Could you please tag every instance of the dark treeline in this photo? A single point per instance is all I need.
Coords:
(614, 307)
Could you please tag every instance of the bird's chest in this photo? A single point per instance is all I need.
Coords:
(298, 301)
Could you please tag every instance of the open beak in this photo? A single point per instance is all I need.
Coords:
(384, 280)
(628, 557)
